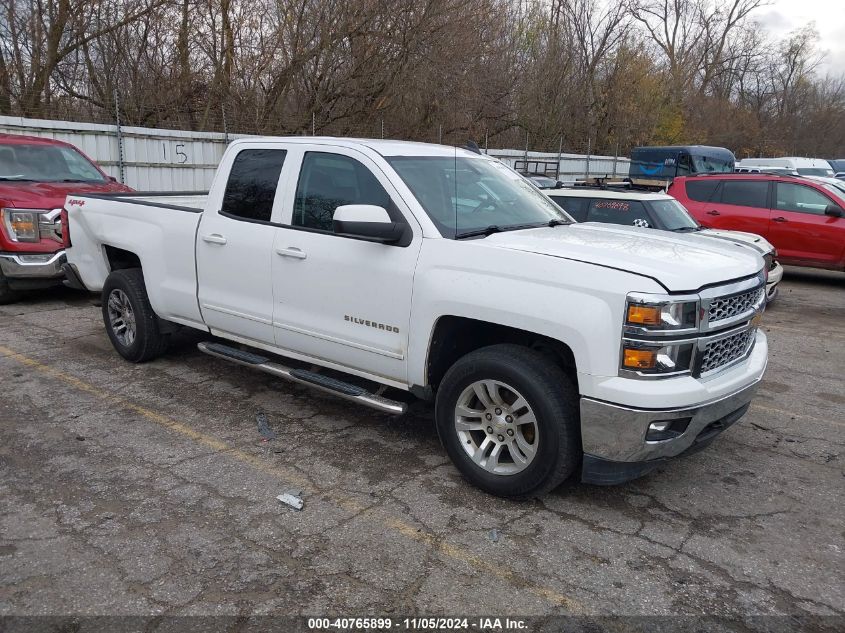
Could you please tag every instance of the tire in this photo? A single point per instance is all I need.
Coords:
(126, 309)
(7, 295)
(549, 395)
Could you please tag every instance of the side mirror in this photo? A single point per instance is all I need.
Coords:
(834, 210)
(112, 179)
(367, 222)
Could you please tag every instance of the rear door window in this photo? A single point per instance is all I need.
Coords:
(625, 212)
(745, 193)
(701, 190)
(252, 184)
(791, 197)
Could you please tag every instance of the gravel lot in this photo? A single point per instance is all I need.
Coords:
(146, 489)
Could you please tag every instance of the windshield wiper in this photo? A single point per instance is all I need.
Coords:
(686, 229)
(495, 228)
(485, 232)
(4, 179)
(557, 222)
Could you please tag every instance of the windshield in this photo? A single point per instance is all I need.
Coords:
(463, 194)
(711, 165)
(46, 163)
(815, 171)
(672, 215)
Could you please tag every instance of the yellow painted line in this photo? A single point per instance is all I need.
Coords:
(762, 407)
(292, 477)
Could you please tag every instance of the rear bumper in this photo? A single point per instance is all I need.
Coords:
(615, 445)
(33, 266)
(72, 278)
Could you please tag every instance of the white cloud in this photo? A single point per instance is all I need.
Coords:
(783, 16)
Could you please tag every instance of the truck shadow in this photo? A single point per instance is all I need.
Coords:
(814, 276)
(56, 294)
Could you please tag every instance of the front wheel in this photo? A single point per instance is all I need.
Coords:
(130, 321)
(508, 417)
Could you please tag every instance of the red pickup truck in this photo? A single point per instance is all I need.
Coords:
(36, 174)
(804, 218)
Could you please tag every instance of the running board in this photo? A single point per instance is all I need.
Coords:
(304, 377)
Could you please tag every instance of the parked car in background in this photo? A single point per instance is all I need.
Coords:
(803, 218)
(657, 210)
(542, 181)
(36, 175)
(838, 165)
(833, 182)
(666, 163)
(840, 175)
(759, 169)
(794, 165)
(548, 347)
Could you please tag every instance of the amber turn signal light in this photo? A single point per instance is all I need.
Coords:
(639, 358)
(644, 315)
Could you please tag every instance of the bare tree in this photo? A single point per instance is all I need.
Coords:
(553, 72)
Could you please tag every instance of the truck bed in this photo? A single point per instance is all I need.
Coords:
(193, 201)
(157, 228)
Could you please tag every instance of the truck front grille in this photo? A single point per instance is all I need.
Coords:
(727, 307)
(722, 351)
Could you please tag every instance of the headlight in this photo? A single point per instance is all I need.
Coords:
(658, 334)
(647, 313)
(656, 358)
(21, 225)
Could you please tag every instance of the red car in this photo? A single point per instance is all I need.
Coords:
(803, 218)
(36, 174)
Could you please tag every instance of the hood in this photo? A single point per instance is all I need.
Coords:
(679, 262)
(50, 195)
(758, 243)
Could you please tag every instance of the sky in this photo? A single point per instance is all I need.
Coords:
(782, 16)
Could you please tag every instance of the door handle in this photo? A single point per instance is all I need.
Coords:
(214, 238)
(779, 219)
(291, 251)
(714, 212)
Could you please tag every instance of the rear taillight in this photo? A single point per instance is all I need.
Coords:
(65, 229)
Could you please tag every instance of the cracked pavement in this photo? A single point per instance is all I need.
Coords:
(146, 490)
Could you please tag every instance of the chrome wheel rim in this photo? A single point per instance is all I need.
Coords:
(496, 427)
(121, 317)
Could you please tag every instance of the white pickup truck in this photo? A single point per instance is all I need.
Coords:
(371, 268)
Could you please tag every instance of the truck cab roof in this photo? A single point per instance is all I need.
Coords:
(384, 147)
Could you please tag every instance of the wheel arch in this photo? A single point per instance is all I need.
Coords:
(120, 259)
(455, 336)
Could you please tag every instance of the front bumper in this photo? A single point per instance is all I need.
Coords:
(775, 275)
(614, 436)
(32, 265)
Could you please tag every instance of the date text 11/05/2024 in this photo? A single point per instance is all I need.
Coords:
(418, 624)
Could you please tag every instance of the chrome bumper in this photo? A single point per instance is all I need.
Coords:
(32, 265)
(615, 433)
(774, 278)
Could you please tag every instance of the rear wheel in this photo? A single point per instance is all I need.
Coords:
(508, 417)
(130, 321)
